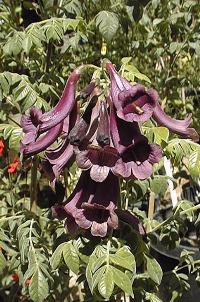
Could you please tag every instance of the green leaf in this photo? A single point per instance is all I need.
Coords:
(160, 134)
(38, 288)
(122, 281)
(159, 184)
(71, 257)
(15, 138)
(153, 269)
(194, 164)
(106, 284)
(134, 72)
(126, 60)
(125, 259)
(89, 271)
(177, 149)
(27, 44)
(13, 133)
(3, 262)
(97, 277)
(107, 23)
(152, 297)
(57, 256)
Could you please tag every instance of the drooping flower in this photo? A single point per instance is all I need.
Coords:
(51, 122)
(137, 156)
(133, 103)
(12, 168)
(89, 207)
(2, 146)
(59, 157)
(65, 104)
(93, 205)
(97, 155)
(42, 143)
(136, 103)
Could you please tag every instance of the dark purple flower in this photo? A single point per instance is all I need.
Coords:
(177, 126)
(61, 156)
(133, 103)
(75, 131)
(50, 122)
(87, 91)
(99, 160)
(65, 104)
(130, 219)
(89, 207)
(42, 143)
(137, 156)
(136, 103)
(97, 155)
(30, 125)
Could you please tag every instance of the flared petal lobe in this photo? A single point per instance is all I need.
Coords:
(133, 103)
(137, 156)
(92, 208)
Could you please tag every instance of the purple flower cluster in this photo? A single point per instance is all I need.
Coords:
(106, 143)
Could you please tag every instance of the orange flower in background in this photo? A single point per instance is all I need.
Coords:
(15, 277)
(28, 281)
(2, 146)
(12, 168)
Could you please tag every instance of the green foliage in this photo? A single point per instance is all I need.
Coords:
(68, 252)
(12, 133)
(106, 269)
(155, 43)
(153, 269)
(40, 32)
(19, 92)
(107, 23)
(179, 149)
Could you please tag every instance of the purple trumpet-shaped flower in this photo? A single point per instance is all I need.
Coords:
(89, 207)
(50, 122)
(137, 156)
(98, 156)
(65, 104)
(61, 156)
(177, 126)
(75, 131)
(93, 205)
(30, 125)
(42, 143)
(133, 103)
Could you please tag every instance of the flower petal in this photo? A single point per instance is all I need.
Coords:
(99, 173)
(177, 126)
(64, 106)
(99, 229)
(42, 143)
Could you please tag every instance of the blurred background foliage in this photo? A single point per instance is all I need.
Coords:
(156, 42)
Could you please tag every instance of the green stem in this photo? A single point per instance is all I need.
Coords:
(175, 214)
(108, 254)
(66, 174)
(33, 188)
